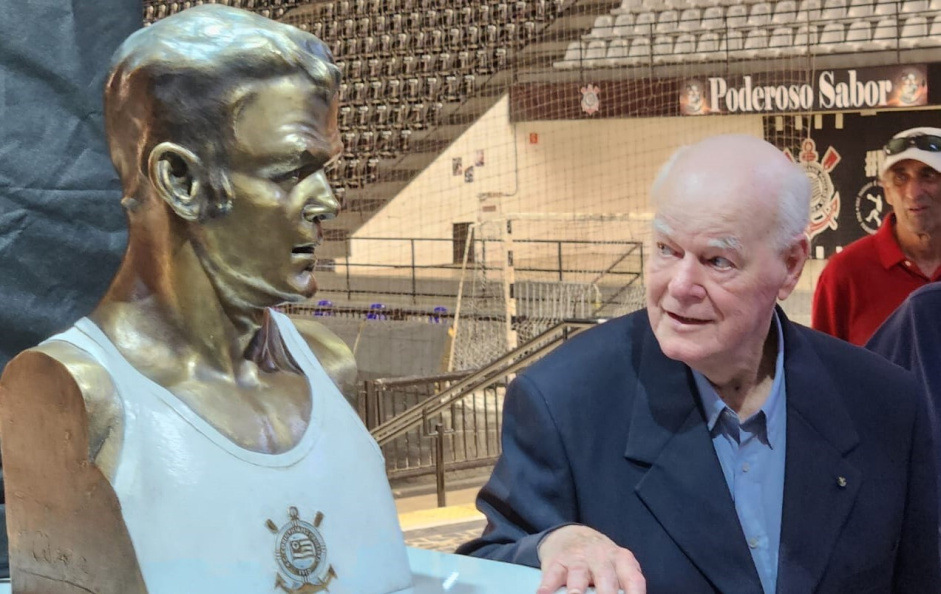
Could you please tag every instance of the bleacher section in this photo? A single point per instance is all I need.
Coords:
(413, 73)
(653, 32)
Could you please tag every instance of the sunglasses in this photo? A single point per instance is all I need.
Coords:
(924, 142)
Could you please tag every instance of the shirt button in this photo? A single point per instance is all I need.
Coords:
(746, 467)
(907, 263)
(753, 542)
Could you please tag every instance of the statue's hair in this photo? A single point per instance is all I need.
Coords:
(181, 79)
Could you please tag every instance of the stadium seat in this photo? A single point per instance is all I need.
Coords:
(780, 43)
(760, 15)
(885, 34)
(393, 90)
(618, 51)
(914, 31)
(629, 6)
(472, 36)
(573, 55)
(736, 16)
(482, 61)
(684, 48)
(662, 49)
(707, 46)
(859, 9)
(809, 11)
(755, 42)
(640, 51)
(445, 63)
(367, 142)
(713, 19)
(482, 15)
(667, 22)
(731, 43)
(885, 8)
(452, 84)
(382, 115)
(833, 10)
(934, 34)
(623, 29)
(603, 27)
(913, 6)
(644, 22)
(455, 38)
(427, 63)
(831, 39)
(470, 84)
(409, 65)
(785, 12)
(690, 20)
(500, 58)
(595, 54)
(491, 35)
(859, 36)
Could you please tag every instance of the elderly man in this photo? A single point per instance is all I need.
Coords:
(865, 282)
(708, 444)
(185, 437)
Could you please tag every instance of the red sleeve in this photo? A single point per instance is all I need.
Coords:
(826, 311)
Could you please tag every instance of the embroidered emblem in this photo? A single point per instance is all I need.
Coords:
(590, 101)
(301, 553)
(825, 200)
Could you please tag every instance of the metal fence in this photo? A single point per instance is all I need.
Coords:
(468, 430)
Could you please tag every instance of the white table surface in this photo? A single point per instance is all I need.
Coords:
(441, 573)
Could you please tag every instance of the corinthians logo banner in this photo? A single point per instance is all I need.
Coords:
(827, 90)
(842, 163)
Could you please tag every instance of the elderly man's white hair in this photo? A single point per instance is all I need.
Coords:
(768, 167)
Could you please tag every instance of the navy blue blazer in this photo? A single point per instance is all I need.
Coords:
(608, 432)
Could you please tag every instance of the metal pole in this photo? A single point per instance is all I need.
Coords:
(414, 298)
(349, 292)
(439, 464)
(558, 246)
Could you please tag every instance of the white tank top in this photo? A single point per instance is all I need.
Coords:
(206, 515)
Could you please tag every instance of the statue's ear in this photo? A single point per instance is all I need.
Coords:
(176, 173)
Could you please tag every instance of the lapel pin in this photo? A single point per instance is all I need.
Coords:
(841, 481)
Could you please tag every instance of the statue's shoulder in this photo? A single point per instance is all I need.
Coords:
(334, 355)
(58, 377)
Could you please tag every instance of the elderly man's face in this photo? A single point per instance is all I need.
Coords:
(713, 275)
(262, 252)
(914, 191)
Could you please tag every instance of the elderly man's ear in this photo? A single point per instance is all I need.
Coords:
(178, 177)
(795, 256)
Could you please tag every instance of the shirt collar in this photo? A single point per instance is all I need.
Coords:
(774, 406)
(888, 248)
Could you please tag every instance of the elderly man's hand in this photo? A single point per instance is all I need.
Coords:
(576, 557)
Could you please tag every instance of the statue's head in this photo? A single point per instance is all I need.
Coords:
(222, 122)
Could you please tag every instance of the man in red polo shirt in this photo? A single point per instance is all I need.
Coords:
(865, 282)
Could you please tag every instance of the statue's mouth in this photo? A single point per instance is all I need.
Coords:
(307, 248)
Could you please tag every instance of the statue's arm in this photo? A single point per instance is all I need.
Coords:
(62, 429)
(335, 357)
(77, 375)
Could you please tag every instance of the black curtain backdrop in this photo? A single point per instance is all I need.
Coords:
(62, 230)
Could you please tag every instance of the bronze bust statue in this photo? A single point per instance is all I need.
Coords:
(185, 436)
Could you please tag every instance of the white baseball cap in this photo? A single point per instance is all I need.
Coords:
(920, 144)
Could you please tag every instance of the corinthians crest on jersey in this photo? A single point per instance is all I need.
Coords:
(825, 200)
(301, 555)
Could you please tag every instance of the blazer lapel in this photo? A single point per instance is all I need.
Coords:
(684, 487)
(820, 485)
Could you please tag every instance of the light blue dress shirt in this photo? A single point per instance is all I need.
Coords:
(751, 453)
